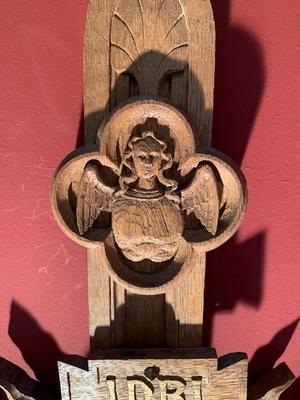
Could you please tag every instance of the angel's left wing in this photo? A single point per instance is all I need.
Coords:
(201, 197)
(94, 196)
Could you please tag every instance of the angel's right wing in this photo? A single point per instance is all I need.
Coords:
(94, 196)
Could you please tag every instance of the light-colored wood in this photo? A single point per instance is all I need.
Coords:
(97, 95)
(183, 310)
(192, 23)
(5, 394)
(138, 279)
(10, 392)
(191, 90)
(148, 199)
(148, 40)
(99, 285)
(150, 48)
(272, 384)
(96, 62)
(151, 376)
(202, 47)
(159, 183)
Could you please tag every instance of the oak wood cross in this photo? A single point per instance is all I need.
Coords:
(148, 197)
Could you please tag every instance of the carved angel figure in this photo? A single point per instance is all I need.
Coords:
(148, 210)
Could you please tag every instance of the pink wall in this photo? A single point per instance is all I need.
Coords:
(253, 282)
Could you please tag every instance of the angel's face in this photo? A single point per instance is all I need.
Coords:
(147, 157)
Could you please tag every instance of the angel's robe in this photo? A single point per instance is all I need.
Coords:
(147, 228)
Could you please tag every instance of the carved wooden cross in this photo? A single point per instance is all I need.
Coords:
(152, 197)
(149, 197)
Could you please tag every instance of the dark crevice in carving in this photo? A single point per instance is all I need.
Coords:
(152, 372)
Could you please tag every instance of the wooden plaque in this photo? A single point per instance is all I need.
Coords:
(189, 375)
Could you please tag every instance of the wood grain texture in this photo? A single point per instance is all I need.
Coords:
(93, 198)
(96, 107)
(184, 313)
(149, 39)
(148, 51)
(146, 277)
(166, 48)
(100, 313)
(160, 183)
(96, 62)
(202, 47)
(201, 197)
(191, 88)
(137, 375)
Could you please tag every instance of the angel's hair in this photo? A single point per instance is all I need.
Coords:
(155, 144)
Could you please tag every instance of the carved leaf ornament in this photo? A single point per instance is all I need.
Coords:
(155, 33)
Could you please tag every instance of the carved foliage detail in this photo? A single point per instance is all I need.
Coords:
(149, 38)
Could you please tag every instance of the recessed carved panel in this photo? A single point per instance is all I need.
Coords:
(149, 39)
(163, 197)
(191, 375)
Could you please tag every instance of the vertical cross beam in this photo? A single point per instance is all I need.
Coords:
(116, 315)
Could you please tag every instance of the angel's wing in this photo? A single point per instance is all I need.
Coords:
(93, 197)
(201, 198)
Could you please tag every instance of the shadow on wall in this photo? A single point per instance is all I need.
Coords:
(41, 352)
(38, 347)
(235, 271)
(239, 83)
(266, 356)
